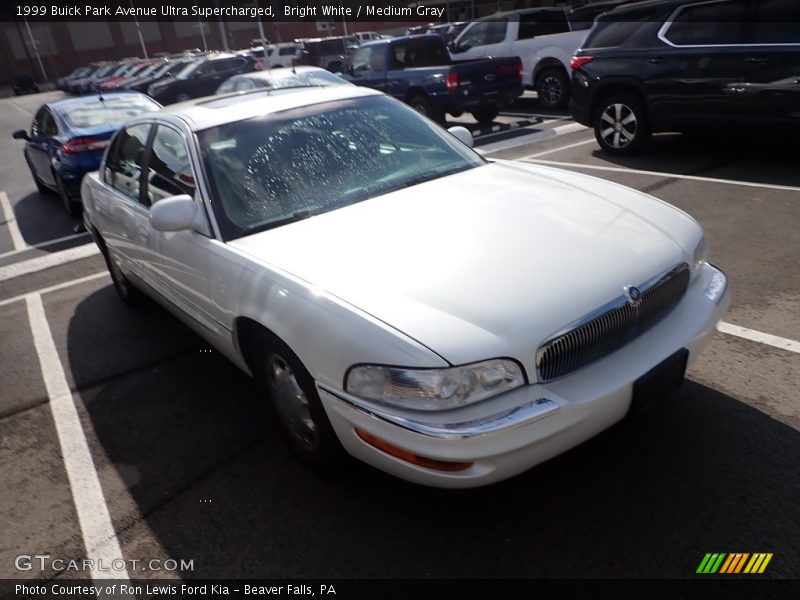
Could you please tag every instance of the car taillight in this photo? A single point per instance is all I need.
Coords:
(83, 144)
(452, 81)
(576, 62)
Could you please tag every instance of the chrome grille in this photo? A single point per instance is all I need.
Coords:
(611, 327)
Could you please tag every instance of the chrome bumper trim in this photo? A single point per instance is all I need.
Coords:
(516, 417)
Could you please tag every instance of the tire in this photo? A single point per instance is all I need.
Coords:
(422, 105)
(73, 207)
(127, 292)
(296, 406)
(552, 87)
(486, 114)
(620, 124)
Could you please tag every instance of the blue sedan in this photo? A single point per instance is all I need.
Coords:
(68, 138)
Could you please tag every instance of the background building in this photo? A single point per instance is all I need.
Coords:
(63, 46)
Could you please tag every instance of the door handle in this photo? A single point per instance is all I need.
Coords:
(758, 60)
(656, 60)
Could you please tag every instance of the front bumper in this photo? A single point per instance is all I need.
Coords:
(509, 434)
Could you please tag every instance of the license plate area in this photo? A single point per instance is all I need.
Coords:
(662, 379)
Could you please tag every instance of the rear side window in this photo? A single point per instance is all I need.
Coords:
(422, 53)
(708, 24)
(611, 34)
(485, 32)
(777, 22)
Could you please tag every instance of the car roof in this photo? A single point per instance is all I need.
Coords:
(645, 6)
(523, 11)
(217, 110)
(402, 38)
(267, 73)
(79, 100)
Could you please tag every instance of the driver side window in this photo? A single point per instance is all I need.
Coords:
(485, 32)
(124, 163)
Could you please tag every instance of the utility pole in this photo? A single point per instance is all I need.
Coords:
(35, 50)
(139, 31)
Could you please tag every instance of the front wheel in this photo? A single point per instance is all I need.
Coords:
(130, 295)
(297, 407)
(486, 114)
(620, 125)
(553, 88)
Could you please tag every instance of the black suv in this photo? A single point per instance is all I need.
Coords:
(681, 65)
(328, 53)
(200, 77)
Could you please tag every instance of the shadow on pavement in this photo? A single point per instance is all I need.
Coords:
(699, 472)
(717, 155)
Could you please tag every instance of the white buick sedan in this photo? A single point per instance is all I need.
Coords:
(445, 318)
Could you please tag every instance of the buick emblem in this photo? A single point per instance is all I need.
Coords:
(633, 295)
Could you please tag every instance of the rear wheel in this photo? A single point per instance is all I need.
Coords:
(422, 105)
(486, 114)
(620, 124)
(43, 189)
(73, 206)
(552, 88)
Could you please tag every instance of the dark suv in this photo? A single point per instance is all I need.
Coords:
(681, 65)
(200, 77)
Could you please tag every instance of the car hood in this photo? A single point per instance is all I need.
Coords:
(488, 262)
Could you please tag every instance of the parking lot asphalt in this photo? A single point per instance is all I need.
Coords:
(190, 467)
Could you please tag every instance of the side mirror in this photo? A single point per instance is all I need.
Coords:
(21, 134)
(458, 48)
(175, 213)
(462, 134)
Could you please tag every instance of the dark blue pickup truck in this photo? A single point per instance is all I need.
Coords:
(418, 70)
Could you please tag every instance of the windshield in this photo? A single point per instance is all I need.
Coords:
(269, 171)
(188, 70)
(107, 111)
(102, 72)
(150, 69)
(285, 78)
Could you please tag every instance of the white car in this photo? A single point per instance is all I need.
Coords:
(542, 37)
(447, 319)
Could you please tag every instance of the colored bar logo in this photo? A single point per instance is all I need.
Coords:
(734, 563)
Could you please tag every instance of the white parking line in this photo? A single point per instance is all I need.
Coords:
(533, 138)
(99, 537)
(11, 221)
(759, 336)
(56, 287)
(72, 236)
(659, 174)
(40, 263)
(559, 148)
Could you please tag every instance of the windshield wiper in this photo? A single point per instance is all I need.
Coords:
(298, 215)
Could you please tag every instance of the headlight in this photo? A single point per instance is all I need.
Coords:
(434, 389)
(700, 254)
